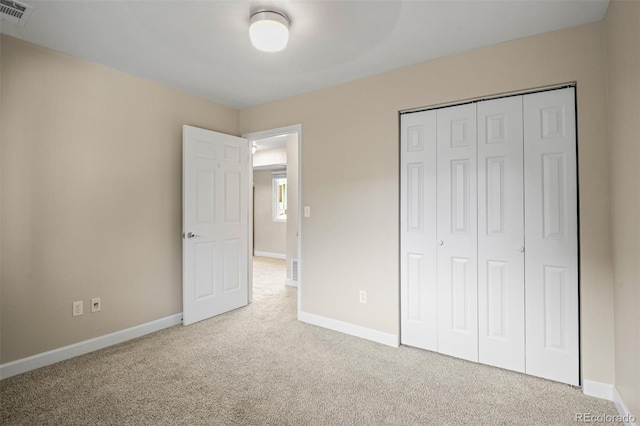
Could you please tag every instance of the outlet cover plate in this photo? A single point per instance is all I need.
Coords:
(77, 308)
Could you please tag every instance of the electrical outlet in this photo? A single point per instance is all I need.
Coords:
(77, 308)
(363, 296)
(96, 304)
(307, 211)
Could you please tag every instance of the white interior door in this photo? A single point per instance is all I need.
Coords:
(215, 223)
(551, 233)
(457, 232)
(419, 296)
(501, 234)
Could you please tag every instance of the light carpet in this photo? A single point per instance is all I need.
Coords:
(260, 366)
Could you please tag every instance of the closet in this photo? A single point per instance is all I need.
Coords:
(489, 232)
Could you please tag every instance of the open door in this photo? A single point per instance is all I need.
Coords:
(215, 219)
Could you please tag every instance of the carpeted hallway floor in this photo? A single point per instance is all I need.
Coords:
(259, 366)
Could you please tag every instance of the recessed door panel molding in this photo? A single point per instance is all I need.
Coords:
(460, 295)
(501, 234)
(495, 195)
(552, 122)
(415, 197)
(204, 149)
(456, 226)
(232, 196)
(204, 270)
(496, 300)
(551, 233)
(231, 265)
(460, 196)
(232, 153)
(205, 194)
(553, 195)
(495, 127)
(555, 317)
(460, 133)
(415, 138)
(415, 278)
(418, 234)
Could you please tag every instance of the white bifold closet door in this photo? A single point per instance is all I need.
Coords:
(489, 233)
(419, 297)
(501, 234)
(551, 234)
(456, 225)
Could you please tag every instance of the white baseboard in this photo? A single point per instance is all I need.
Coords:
(598, 389)
(291, 283)
(23, 365)
(351, 329)
(609, 392)
(271, 255)
(628, 418)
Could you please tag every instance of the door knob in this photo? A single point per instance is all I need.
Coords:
(440, 242)
(521, 249)
(189, 235)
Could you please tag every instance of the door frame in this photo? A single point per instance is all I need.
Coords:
(251, 137)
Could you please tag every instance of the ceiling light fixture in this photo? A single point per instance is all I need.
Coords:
(269, 30)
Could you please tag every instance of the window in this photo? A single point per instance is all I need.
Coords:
(279, 197)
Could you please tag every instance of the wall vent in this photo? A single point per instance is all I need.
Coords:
(15, 12)
(294, 270)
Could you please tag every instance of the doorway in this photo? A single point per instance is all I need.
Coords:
(275, 222)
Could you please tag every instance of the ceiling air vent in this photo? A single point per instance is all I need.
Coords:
(15, 12)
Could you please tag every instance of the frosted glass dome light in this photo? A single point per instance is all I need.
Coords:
(269, 31)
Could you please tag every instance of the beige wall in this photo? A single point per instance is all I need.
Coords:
(622, 25)
(350, 167)
(91, 196)
(268, 236)
(292, 200)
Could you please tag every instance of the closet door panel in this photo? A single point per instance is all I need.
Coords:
(418, 230)
(501, 234)
(551, 233)
(457, 232)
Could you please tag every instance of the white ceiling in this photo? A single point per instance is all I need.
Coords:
(273, 142)
(203, 47)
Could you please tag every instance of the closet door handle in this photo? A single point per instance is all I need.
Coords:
(521, 249)
(440, 242)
